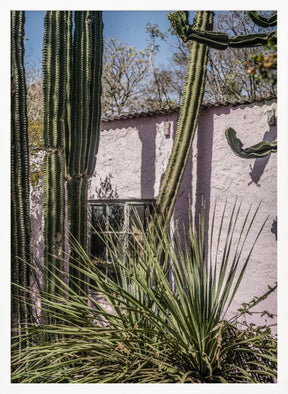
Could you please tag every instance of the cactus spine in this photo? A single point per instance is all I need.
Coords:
(83, 138)
(20, 209)
(55, 47)
(190, 108)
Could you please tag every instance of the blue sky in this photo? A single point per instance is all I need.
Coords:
(126, 26)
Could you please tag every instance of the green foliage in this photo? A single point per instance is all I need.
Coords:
(36, 144)
(263, 65)
(35, 134)
(20, 207)
(261, 149)
(138, 328)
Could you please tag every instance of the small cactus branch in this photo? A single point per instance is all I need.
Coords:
(261, 21)
(261, 149)
(216, 40)
(20, 208)
(190, 108)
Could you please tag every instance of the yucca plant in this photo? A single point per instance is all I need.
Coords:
(141, 328)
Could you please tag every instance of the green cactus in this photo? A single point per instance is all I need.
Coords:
(83, 137)
(261, 21)
(20, 209)
(72, 88)
(190, 108)
(218, 40)
(261, 149)
(55, 49)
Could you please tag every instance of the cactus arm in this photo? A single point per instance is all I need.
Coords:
(261, 149)
(252, 40)
(20, 207)
(216, 40)
(190, 108)
(261, 21)
(222, 41)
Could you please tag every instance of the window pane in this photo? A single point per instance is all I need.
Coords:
(116, 217)
(98, 217)
(98, 223)
(98, 248)
(136, 215)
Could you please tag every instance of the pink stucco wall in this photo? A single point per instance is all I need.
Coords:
(134, 153)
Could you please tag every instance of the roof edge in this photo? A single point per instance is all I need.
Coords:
(177, 109)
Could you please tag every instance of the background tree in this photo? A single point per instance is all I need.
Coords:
(159, 93)
(227, 76)
(34, 83)
(133, 81)
(124, 77)
(35, 113)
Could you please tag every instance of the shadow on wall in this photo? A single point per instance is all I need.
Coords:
(260, 164)
(147, 137)
(204, 168)
(274, 228)
(183, 203)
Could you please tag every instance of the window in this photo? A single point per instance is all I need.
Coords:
(116, 215)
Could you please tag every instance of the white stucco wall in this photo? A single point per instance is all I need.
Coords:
(132, 158)
(134, 154)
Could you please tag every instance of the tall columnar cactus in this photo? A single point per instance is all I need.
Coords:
(190, 108)
(83, 136)
(72, 89)
(20, 209)
(55, 49)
